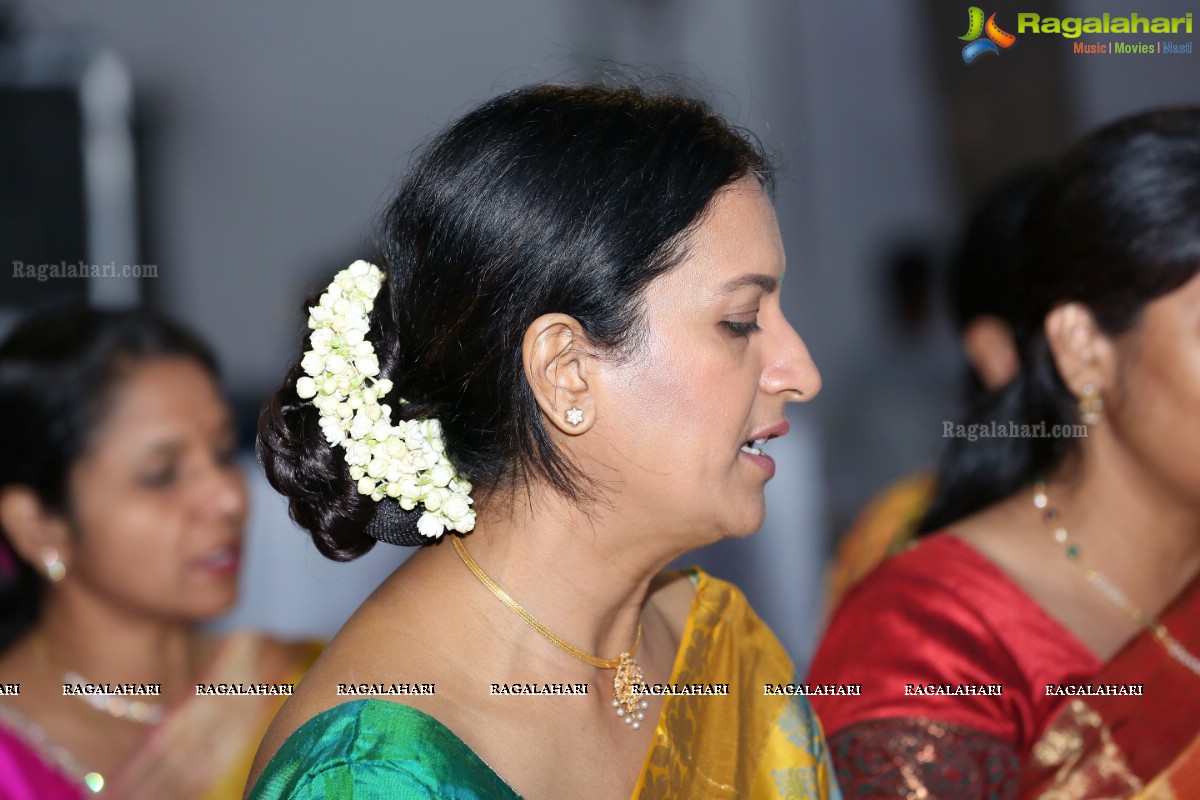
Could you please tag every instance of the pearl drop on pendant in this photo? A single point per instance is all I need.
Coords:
(616, 703)
(645, 704)
(637, 725)
(620, 712)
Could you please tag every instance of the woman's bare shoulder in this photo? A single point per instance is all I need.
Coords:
(346, 659)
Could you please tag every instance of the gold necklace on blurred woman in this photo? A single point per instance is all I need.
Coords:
(1106, 587)
(627, 682)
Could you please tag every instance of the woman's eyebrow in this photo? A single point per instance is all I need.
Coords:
(768, 283)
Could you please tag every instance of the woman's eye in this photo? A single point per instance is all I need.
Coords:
(743, 329)
(160, 478)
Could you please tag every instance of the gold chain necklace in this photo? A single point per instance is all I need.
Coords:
(627, 682)
(111, 704)
(1107, 588)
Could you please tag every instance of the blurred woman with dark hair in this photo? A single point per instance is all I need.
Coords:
(983, 294)
(1041, 641)
(121, 512)
(580, 310)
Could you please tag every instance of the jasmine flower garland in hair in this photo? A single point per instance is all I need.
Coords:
(405, 461)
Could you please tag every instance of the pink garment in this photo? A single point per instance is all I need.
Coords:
(8, 564)
(25, 776)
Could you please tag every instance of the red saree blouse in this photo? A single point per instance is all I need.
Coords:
(933, 631)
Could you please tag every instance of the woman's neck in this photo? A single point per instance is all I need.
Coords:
(583, 576)
(1128, 526)
(104, 644)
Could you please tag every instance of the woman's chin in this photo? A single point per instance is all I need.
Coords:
(212, 606)
(744, 526)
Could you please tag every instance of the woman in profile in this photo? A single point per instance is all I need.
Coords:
(121, 516)
(573, 355)
(1061, 559)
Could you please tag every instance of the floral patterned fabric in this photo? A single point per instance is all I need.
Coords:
(746, 744)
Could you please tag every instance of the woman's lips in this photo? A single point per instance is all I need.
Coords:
(760, 459)
(753, 448)
(224, 561)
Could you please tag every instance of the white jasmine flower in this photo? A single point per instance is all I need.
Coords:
(456, 508)
(312, 363)
(381, 430)
(333, 434)
(428, 525)
(361, 425)
(335, 364)
(306, 387)
(413, 435)
(377, 468)
(367, 365)
(358, 453)
(435, 498)
(321, 339)
(441, 474)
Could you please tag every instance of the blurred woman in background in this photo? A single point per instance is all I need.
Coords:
(1063, 556)
(122, 510)
(984, 294)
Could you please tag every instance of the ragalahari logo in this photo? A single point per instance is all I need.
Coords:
(995, 40)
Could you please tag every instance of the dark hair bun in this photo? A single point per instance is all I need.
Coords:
(304, 467)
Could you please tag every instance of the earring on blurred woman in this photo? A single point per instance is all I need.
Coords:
(1090, 405)
(56, 570)
(575, 415)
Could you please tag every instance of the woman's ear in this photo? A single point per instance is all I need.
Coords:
(558, 366)
(37, 535)
(1083, 353)
(988, 344)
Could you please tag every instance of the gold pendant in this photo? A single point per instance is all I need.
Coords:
(627, 684)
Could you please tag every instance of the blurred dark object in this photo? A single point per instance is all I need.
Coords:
(9, 20)
(67, 198)
(1002, 111)
(42, 217)
(984, 268)
(908, 286)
